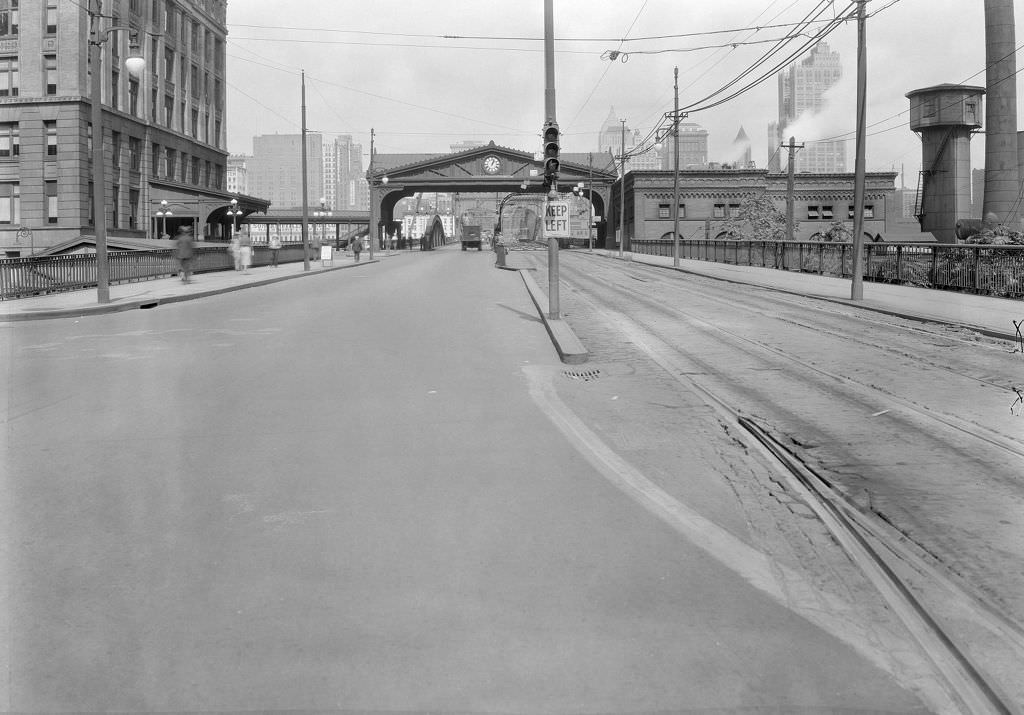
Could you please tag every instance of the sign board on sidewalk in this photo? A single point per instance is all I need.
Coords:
(327, 255)
(556, 219)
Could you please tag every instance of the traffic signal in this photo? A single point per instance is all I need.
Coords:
(551, 149)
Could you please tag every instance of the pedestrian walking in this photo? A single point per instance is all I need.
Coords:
(357, 246)
(185, 251)
(245, 249)
(235, 249)
(275, 247)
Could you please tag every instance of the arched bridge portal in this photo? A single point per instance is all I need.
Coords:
(489, 169)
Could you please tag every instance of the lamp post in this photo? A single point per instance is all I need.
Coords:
(234, 212)
(162, 213)
(135, 63)
(322, 213)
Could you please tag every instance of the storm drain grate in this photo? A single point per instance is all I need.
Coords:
(584, 375)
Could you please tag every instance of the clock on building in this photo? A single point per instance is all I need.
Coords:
(492, 164)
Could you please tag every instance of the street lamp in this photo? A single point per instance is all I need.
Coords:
(135, 63)
(235, 212)
(162, 213)
(321, 214)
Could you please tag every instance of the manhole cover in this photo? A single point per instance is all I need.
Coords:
(584, 375)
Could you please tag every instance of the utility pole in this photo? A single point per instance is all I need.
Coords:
(675, 177)
(857, 286)
(590, 203)
(371, 230)
(622, 190)
(305, 188)
(791, 187)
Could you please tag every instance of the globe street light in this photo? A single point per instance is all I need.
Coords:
(162, 213)
(135, 63)
(234, 212)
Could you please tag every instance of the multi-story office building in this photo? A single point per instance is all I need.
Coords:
(274, 170)
(802, 89)
(693, 148)
(163, 131)
(237, 176)
(610, 143)
(344, 176)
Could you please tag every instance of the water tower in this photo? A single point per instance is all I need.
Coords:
(945, 116)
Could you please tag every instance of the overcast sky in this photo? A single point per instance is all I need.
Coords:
(387, 65)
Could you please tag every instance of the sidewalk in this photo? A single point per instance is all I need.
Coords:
(983, 314)
(158, 291)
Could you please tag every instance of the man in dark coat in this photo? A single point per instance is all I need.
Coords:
(185, 251)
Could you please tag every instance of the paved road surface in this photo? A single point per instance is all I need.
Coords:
(377, 489)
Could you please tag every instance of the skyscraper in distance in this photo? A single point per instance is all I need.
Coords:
(802, 88)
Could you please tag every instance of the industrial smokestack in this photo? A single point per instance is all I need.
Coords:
(1002, 174)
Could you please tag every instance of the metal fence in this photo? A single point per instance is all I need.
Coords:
(984, 269)
(23, 277)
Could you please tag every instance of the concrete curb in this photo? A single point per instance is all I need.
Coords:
(154, 301)
(570, 349)
(919, 317)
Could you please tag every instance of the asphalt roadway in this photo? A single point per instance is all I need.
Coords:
(362, 491)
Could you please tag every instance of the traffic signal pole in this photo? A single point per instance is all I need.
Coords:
(549, 112)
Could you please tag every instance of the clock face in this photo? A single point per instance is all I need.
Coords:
(492, 164)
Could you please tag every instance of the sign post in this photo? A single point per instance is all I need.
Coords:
(556, 219)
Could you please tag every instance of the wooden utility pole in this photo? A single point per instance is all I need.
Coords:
(857, 286)
(791, 187)
(305, 180)
(675, 177)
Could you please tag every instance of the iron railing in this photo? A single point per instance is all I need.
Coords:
(986, 269)
(23, 277)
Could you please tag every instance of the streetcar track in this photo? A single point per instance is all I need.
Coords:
(1008, 444)
(859, 315)
(850, 527)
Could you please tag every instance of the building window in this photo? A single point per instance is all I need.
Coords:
(115, 144)
(51, 17)
(194, 80)
(51, 202)
(115, 82)
(813, 212)
(663, 211)
(92, 207)
(51, 138)
(115, 194)
(9, 18)
(195, 170)
(8, 76)
(135, 6)
(734, 210)
(209, 173)
(195, 123)
(172, 157)
(719, 211)
(168, 110)
(133, 208)
(869, 211)
(133, 96)
(154, 160)
(10, 203)
(10, 141)
(168, 64)
(135, 153)
(826, 213)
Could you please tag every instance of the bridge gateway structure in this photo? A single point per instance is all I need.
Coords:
(488, 169)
